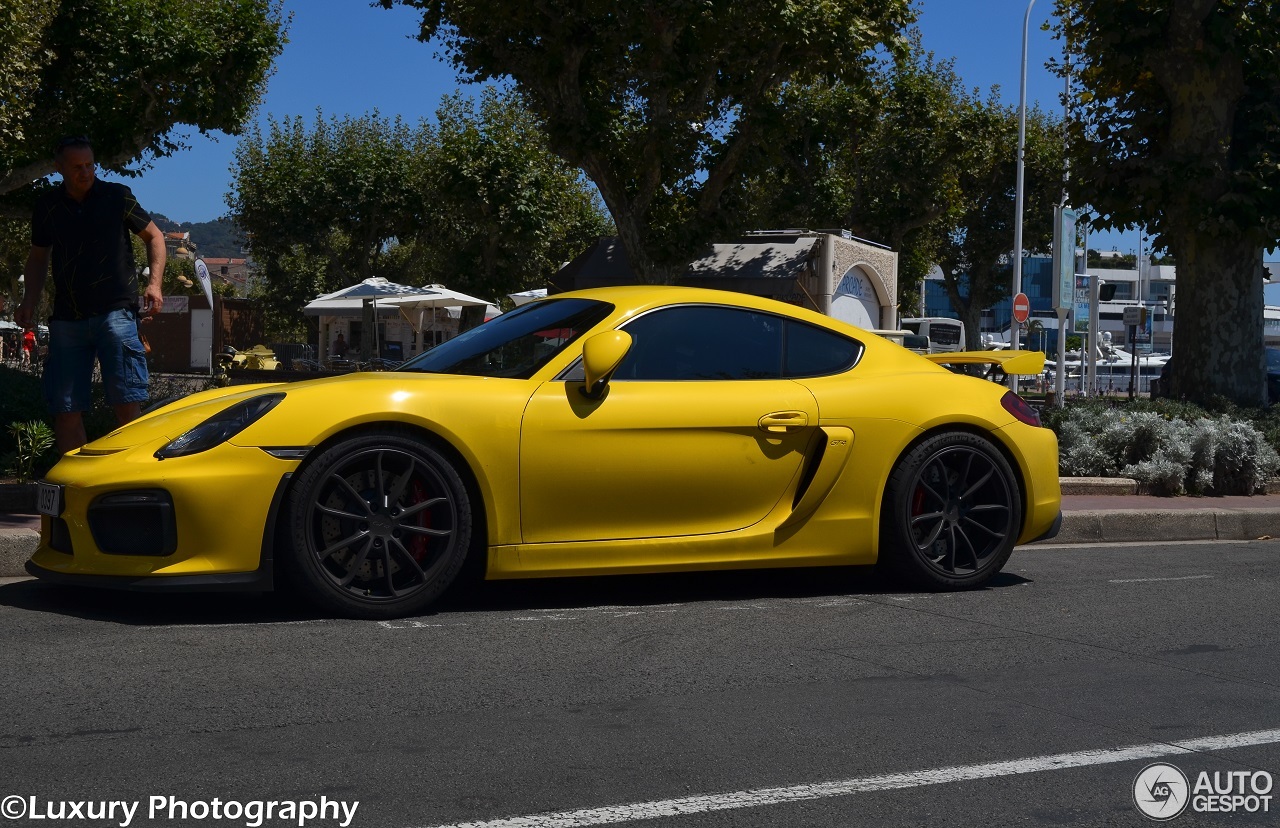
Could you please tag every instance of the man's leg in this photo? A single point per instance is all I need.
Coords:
(124, 365)
(66, 380)
(68, 431)
(127, 412)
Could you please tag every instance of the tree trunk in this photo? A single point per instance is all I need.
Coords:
(967, 311)
(1217, 338)
(645, 269)
(971, 316)
(629, 218)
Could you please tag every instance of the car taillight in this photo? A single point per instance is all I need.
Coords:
(1019, 408)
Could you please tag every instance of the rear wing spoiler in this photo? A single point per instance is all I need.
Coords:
(1022, 363)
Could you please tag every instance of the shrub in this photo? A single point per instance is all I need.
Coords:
(1171, 448)
(22, 400)
(32, 440)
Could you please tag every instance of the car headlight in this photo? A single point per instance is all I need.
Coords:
(220, 427)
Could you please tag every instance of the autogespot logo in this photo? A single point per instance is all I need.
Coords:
(1161, 791)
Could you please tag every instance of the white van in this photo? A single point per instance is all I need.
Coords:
(912, 342)
(945, 334)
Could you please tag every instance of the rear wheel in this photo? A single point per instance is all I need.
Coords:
(380, 525)
(952, 513)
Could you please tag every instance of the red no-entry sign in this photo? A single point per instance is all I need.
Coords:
(1021, 307)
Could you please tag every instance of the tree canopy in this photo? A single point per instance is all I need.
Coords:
(321, 205)
(478, 203)
(1177, 130)
(503, 212)
(659, 101)
(914, 160)
(125, 73)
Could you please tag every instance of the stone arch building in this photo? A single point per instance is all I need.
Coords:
(831, 272)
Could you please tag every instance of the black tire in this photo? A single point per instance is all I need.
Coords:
(379, 526)
(952, 513)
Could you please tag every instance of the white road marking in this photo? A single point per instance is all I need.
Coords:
(887, 782)
(1044, 545)
(1153, 580)
(415, 625)
(216, 626)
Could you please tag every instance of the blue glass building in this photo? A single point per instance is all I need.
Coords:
(1037, 283)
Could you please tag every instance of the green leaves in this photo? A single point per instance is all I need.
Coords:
(659, 101)
(126, 72)
(913, 159)
(32, 440)
(478, 203)
(1176, 127)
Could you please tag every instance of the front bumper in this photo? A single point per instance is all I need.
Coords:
(260, 580)
(225, 504)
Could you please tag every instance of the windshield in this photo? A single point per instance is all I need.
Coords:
(516, 344)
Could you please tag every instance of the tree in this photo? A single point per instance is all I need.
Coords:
(478, 202)
(504, 212)
(658, 101)
(1176, 130)
(917, 161)
(15, 244)
(321, 206)
(976, 256)
(125, 73)
(882, 159)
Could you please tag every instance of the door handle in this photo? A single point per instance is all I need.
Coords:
(780, 421)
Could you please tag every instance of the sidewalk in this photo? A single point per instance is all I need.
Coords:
(1086, 518)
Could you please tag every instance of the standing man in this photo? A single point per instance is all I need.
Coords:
(83, 225)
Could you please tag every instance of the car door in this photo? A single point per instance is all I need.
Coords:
(698, 433)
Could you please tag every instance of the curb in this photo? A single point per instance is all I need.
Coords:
(16, 546)
(1154, 525)
(1079, 527)
(1098, 485)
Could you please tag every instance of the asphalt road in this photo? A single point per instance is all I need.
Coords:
(803, 698)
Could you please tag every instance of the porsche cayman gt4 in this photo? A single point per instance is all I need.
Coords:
(620, 430)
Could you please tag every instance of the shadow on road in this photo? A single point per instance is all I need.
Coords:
(148, 609)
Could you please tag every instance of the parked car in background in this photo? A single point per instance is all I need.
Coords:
(945, 334)
(915, 343)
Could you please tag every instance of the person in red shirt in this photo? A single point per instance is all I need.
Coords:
(28, 346)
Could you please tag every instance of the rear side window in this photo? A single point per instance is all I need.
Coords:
(814, 352)
(708, 342)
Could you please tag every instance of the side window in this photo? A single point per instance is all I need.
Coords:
(704, 342)
(814, 352)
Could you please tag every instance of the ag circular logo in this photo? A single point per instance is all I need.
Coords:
(1161, 791)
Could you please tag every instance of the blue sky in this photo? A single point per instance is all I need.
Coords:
(346, 58)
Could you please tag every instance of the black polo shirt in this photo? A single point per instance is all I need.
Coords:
(93, 265)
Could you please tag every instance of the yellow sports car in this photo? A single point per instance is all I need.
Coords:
(631, 429)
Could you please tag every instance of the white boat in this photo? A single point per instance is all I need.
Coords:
(1115, 370)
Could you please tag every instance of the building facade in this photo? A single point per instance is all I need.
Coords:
(1152, 286)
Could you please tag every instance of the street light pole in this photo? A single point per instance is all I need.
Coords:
(1022, 142)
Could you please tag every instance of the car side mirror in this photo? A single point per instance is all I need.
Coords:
(601, 356)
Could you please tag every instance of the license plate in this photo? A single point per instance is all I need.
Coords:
(49, 499)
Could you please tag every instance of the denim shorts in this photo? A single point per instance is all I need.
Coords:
(112, 340)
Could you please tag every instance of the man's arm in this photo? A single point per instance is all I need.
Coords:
(152, 297)
(33, 276)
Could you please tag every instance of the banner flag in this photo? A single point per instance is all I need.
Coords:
(202, 273)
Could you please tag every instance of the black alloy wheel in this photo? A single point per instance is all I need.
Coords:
(380, 526)
(952, 513)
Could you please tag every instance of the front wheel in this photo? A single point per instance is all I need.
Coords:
(952, 513)
(380, 525)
